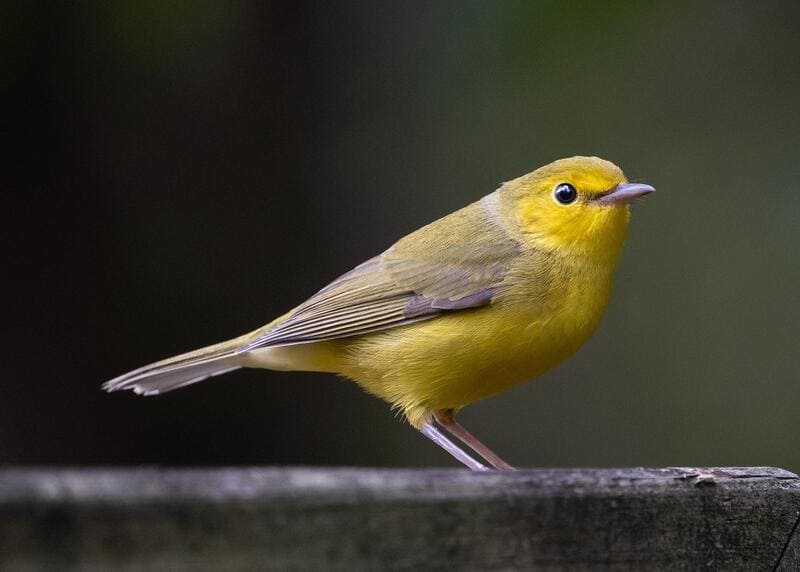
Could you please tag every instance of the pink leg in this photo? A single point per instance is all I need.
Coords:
(440, 439)
(446, 419)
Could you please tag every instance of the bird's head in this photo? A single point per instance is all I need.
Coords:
(575, 205)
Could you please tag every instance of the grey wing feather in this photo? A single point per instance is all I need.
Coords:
(395, 289)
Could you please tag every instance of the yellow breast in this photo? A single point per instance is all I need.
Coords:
(458, 359)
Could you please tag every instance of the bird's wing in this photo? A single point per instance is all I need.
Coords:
(438, 269)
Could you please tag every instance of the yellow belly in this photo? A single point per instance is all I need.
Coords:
(456, 359)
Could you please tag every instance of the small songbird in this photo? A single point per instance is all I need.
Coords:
(464, 308)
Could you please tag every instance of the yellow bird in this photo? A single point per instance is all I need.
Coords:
(464, 308)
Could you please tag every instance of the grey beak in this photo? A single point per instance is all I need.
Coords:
(624, 193)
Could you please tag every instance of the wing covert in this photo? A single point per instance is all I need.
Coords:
(455, 263)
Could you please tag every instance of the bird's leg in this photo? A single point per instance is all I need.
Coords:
(432, 433)
(446, 419)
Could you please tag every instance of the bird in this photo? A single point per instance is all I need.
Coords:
(462, 309)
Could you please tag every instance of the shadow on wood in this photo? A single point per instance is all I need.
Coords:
(257, 518)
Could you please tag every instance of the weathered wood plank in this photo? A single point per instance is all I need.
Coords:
(258, 518)
(790, 559)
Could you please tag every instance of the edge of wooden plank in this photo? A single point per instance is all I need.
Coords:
(251, 517)
(230, 483)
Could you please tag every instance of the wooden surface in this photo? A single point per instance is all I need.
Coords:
(359, 519)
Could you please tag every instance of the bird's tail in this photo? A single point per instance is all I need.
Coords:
(181, 370)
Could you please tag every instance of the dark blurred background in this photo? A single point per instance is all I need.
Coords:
(182, 172)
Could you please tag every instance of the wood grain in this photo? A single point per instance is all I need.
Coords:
(363, 519)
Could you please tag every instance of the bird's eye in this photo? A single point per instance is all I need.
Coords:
(565, 193)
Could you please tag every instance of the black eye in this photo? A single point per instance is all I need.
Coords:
(565, 193)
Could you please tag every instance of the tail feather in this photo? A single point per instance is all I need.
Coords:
(179, 371)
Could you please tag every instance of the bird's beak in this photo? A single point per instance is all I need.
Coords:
(624, 193)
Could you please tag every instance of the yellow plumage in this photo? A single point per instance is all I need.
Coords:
(464, 308)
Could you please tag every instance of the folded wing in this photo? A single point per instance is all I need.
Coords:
(423, 276)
